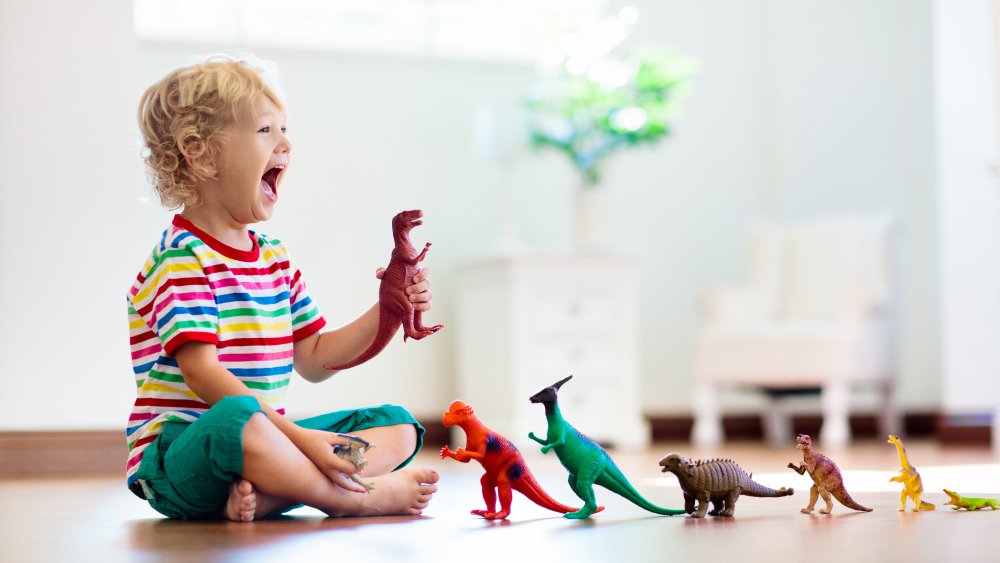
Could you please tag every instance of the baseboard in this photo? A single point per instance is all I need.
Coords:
(32, 454)
(749, 427)
(667, 428)
(53, 453)
(965, 429)
(41, 454)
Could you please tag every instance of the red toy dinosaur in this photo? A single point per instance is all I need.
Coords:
(505, 467)
(395, 308)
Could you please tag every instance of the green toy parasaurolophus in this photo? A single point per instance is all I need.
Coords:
(587, 462)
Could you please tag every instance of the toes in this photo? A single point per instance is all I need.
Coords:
(426, 476)
(244, 487)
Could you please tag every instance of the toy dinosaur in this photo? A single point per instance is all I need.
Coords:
(913, 487)
(354, 452)
(395, 308)
(587, 462)
(719, 481)
(969, 503)
(505, 467)
(826, 477)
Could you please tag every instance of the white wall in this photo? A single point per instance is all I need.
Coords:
(797, 111)
(68, 209)
(968, 154)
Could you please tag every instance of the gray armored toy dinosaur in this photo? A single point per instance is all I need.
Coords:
(587, 462)
(717, 481)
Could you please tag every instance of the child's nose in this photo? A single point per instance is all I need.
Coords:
(285, 145)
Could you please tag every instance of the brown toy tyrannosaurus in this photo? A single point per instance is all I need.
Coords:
(395, 308)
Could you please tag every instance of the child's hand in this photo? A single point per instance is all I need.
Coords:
(420, 291)
(318, 445)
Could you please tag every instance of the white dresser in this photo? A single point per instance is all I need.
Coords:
(527, 322)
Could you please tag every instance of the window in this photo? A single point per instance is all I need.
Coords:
(498, 30)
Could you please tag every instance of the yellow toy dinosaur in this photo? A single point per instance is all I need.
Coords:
(913, 487)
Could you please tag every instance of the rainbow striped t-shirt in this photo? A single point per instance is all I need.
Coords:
(252, 304)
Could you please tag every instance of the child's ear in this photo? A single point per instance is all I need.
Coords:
(198, 159)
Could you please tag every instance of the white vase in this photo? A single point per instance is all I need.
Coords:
(591, 219)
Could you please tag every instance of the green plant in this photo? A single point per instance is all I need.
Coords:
(589, 111)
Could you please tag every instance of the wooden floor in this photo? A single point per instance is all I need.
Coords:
(97, 519)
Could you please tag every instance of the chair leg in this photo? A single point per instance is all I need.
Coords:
(888, 420)
(707, 430)
(995, 430)
(836, 429)
(777, 424)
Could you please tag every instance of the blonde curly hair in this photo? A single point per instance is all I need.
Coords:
(182, 117)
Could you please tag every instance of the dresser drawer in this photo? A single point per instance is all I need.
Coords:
(550, 310)
(581, 357)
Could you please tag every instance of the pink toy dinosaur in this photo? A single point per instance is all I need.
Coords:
(827, 481)
(395, 308)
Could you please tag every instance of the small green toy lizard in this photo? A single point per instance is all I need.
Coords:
(970, 503)
(354, 452)
(587, 462)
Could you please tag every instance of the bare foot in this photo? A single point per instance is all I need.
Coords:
(242, 503)
(403, 492)
(246, 503)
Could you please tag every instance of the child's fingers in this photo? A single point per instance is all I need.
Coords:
(422, 297)
(379, 272)
(343, 481)
(334, 466)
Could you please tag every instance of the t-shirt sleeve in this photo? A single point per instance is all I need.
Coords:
(176, 302)
(306, 318)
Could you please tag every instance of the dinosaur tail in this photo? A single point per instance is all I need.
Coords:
(926, 506)
(383, 335)
(842, 496)
(613, 480)
(529, 487)
(755, 489)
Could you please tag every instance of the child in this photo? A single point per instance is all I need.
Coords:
(218, 316)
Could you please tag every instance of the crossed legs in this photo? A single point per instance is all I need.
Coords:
(277, 475)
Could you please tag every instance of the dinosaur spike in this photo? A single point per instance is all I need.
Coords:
(559, 383)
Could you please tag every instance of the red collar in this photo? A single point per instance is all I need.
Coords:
(228, 251)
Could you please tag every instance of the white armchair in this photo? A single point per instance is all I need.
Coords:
(816, 313)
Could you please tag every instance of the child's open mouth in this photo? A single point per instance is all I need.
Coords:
(269, 182)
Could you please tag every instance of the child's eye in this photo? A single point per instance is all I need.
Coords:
(284, 130)
(266, 129)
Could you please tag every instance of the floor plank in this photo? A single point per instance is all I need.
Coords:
(96, 518)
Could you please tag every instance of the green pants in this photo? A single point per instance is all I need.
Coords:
(187, 471)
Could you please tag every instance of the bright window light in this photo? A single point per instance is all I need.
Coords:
(499, 30)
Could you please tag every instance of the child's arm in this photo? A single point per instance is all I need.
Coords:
(211, 382)
(343, 344)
